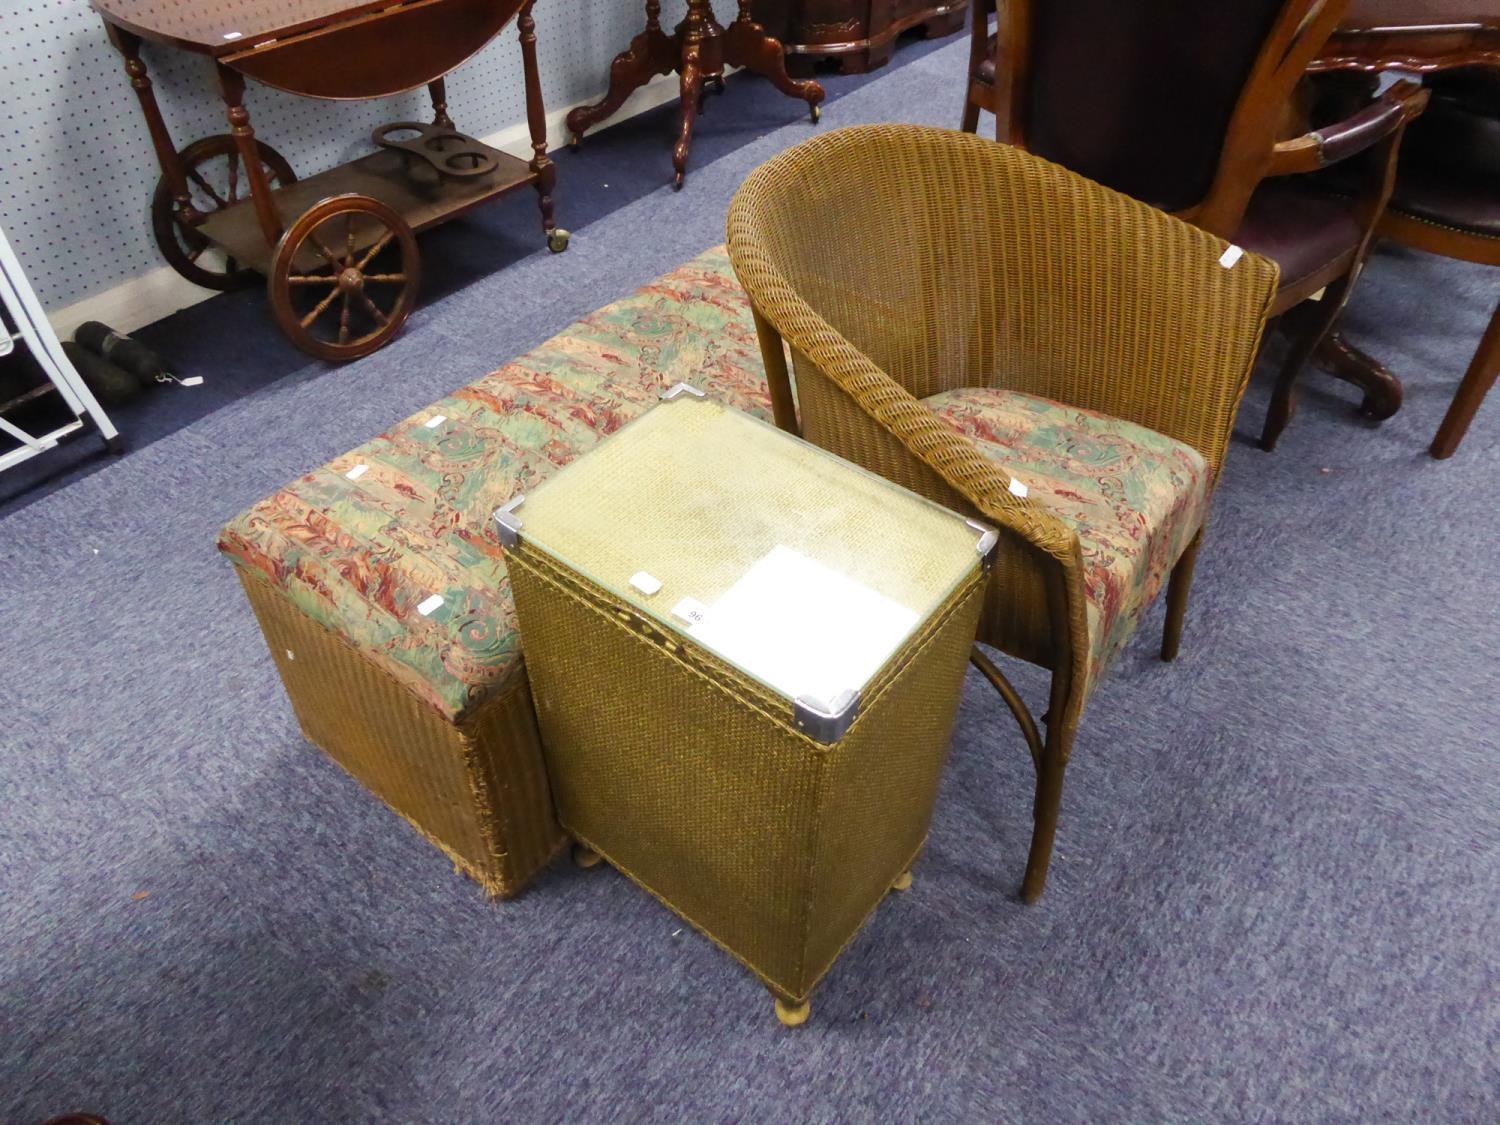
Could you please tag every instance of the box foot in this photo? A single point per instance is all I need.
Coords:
(793, 1015)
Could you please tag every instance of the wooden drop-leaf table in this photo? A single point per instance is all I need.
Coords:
(338, 249)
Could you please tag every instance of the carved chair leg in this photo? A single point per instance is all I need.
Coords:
(1312, 327)
(1477, 381)
(1382, 388)
(1049, 787)
(971, 115)
(1177, 598)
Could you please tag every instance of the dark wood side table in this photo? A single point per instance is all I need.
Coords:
(1409, 35)
(699, 50)
(1417, 35)
(858, 35)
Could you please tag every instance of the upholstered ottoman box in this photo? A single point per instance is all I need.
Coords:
(746, 655)
(380, 583)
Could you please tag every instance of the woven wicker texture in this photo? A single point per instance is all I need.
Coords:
(477, 789)
(901, 261)
(898, 262)
(670, 495)
(692, 778)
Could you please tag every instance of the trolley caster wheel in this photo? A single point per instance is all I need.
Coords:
(817, 114)
(793, 1015)
(557, 240)
(344, 277)
(585, 856)
(677, 181)
(575, 142)
(216, 179)
(903, 882)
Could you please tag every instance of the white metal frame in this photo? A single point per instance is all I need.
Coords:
(34, 332)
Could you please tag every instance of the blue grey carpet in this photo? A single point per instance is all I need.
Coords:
(1276, 896)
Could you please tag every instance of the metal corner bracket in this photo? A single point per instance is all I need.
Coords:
(508, 523)
(677, 389)
(988, 544)
(826, 722)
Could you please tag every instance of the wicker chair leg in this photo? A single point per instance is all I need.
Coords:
(1049, 786)
(1012, 700)
(1177, 598)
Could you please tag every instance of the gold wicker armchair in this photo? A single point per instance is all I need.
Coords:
(1021, 344)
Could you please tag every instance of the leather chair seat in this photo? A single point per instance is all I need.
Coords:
(1450, 166)
(1301, 228)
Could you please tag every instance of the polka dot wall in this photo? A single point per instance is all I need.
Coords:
(76, 165)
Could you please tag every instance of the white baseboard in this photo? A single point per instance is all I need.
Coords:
(162, 291)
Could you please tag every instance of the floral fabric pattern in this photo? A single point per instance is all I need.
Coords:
(1135, 497)
(362, 544)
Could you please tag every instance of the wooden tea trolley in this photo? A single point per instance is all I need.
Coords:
(337, 249)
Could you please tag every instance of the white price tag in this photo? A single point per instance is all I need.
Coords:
(357, 472)
(645, 583)
(1230, 256)
(427, 608)
(434, 423)
(690, 610)
(1018, 488)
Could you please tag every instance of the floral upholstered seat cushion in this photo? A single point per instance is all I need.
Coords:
(1135, 497)
(392, 547)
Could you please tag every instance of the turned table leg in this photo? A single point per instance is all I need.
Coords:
(161, 140)
(437, 90)
(232, 84)
(1477, 382)
(536, 121)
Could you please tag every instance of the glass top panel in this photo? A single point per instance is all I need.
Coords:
(802, 570)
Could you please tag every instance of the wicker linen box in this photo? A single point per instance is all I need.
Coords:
(428, 705)
(746, 655)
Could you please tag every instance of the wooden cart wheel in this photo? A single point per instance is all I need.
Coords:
(345, 277)
(216, 178)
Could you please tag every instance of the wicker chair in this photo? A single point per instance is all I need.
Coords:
(943, 298)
